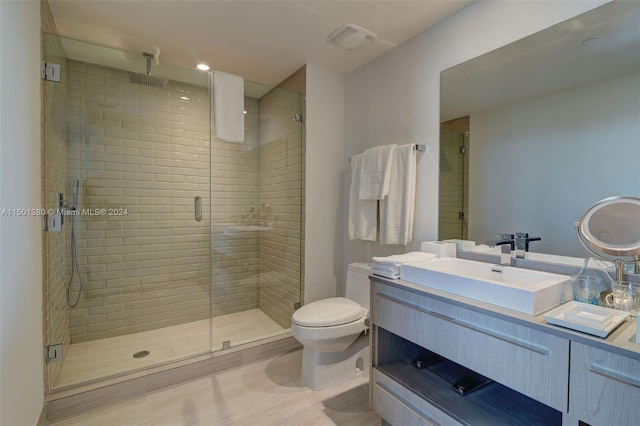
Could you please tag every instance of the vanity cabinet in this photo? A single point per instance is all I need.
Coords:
(541, 374)
(530, 367)
(605, 387)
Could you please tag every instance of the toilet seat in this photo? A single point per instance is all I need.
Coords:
(329, 312)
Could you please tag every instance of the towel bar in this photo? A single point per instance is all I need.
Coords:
(417, 147)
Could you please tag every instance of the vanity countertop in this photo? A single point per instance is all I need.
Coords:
(620, 341)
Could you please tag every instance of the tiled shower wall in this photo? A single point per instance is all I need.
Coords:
(141, 153)
(280, 189)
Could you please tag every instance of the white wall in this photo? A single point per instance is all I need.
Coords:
(587, 135)
(395, 99)
(21, 352)
(324, 159)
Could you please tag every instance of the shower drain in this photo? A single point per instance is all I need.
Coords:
(141, 354)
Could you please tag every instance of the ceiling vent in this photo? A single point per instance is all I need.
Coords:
(350, 37)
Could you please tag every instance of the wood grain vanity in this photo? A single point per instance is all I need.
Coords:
(542, 374)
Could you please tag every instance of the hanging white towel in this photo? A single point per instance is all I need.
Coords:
(228, 93)
(362, 213)
(396, 210)
(376, 172)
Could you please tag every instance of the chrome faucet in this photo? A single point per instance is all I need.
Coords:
(522, 244)
(503, 240)
(507, 243)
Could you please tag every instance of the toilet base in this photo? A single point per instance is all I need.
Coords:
(322, 370)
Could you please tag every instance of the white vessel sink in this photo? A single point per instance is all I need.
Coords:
(523, 290)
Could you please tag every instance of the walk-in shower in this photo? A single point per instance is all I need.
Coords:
(134, 279)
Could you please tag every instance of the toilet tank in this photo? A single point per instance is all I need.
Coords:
(358, 286)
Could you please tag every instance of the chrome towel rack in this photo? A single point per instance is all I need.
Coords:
(416, 147)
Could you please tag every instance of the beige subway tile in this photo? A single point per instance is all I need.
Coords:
(93, 319)
(154, 122)
(171, 116)
(121, 249)
(91, 328)
(155, 154)
(142, 128)
(120, 100)
(171, 132)
(106, 309)
(87, 337)
(85, 77)
(101, 88)
(119, 133)
(151, 104)
(139, 112)
(138, 177)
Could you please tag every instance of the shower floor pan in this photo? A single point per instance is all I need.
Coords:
(99, 359)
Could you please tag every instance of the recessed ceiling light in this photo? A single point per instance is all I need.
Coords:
(203, 67)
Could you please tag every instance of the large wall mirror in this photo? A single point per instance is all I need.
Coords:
(552, 126)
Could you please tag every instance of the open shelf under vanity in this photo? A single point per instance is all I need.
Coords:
(489, 404)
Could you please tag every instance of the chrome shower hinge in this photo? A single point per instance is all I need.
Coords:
(54, 352)
(51, 72)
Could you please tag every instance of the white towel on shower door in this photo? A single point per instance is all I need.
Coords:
(396, 210)
(228, 94)
(362, 213)
(375, 172)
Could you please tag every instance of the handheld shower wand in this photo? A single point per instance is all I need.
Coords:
(74, 247)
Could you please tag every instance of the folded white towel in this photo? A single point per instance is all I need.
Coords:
(375, 172)
(362, 213)
(396, 210)
(386, 274)
(228, 93)
(385, 267)
(401, 259)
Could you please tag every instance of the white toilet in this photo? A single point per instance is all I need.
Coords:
(335, 347)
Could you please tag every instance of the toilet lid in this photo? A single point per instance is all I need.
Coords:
(328, 312)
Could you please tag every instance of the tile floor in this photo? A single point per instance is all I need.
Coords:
(112, 356)
(265, 393)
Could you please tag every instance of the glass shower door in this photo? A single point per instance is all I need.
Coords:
(128, 276)
(257, 206)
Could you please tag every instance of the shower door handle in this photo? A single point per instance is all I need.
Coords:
(198, 208)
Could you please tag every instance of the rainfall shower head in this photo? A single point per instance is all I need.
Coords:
(147, 79)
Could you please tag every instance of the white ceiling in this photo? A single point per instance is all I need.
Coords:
(555, 59)
(263, 41)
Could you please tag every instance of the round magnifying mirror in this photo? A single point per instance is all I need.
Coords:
(612, 227)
